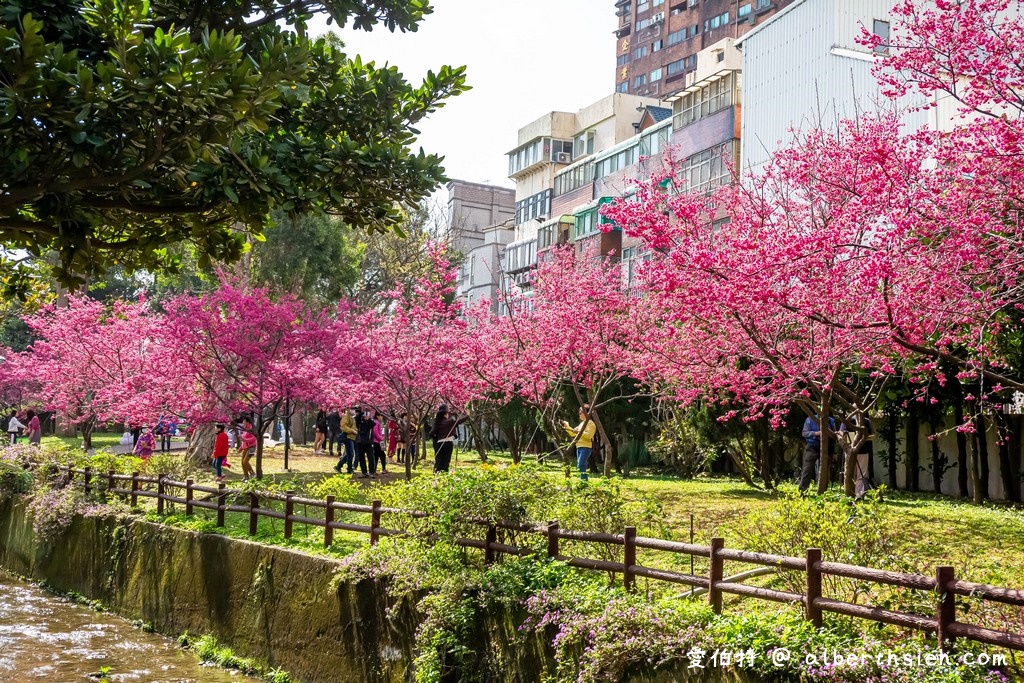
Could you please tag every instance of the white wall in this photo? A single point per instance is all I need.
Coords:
(803, 69)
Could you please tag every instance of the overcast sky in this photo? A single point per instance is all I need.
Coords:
(524, 58)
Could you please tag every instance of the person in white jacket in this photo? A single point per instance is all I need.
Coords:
(13, 427)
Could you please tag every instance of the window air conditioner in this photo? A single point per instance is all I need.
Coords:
(658, 18)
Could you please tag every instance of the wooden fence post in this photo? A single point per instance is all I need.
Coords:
(88, 478)
(945, 613)
(553, 539)
(715, 575)
(222, 500)
(71, 475)
(188, 497)
(812, 612)
(289, 510)
(135, 489)
(375, 522)
(160, 494)
(489, 540)
(328, 520)
(111, 485)
(629, 558)
(254, 519)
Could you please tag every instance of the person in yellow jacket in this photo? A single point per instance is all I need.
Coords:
(347, 441)
(585, 440)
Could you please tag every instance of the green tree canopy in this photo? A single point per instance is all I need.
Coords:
(127, 126)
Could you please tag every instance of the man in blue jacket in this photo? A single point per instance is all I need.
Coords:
(812, 450)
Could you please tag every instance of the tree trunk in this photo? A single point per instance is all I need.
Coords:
(1011, 490)
(606, 443)
(259, 444)
(88, 426)
(297, 427)
(913, 450)
(286, 423)
(938, 461)
(962, 475)
(890, 444)
(407, 441)
(849, 470)
(983, 467)
(200, 444)
(1016, 429)
(979, 496)
(478, 438)
(825, 464)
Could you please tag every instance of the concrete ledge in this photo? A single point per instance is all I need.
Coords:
(280, 606)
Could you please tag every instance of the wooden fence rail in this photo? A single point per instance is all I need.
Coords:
(942, 622)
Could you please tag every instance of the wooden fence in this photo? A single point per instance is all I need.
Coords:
(944, 584)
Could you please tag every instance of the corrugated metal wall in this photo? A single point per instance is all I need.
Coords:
(798, 73)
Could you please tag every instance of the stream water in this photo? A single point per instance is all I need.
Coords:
(47, 638)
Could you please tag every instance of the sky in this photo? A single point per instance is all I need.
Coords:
(524, 58)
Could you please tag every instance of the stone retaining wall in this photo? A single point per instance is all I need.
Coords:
(279, 606)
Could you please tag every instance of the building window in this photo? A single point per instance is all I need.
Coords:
(640, 81)
(708, 169)
(584, 144)
(716, 22)
(640, 52)
(586, 223)
(653, 143)
(528, 155)
(881, 29)
(655, 75)
(622, 60)
(709, 100)
(694, 30)
(675, 67)
(656, 46)
(691, 62)
(745, 10)
(537, 206)
(622, 87)
(574, 178)
(763, 4)
(642, 7)
(546, 236)
(677, 36)
(657, 3)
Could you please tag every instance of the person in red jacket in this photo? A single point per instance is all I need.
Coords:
(220, 451)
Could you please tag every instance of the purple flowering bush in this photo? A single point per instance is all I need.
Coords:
(602, 634)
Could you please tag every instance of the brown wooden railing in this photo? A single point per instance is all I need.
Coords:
(942, 622)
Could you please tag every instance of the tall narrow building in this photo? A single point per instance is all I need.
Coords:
(658, 40)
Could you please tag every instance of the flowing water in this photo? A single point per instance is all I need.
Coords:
(47, 638)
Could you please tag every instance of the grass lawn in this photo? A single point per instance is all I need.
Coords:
(985, 543)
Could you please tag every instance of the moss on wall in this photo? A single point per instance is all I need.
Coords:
(279, 606)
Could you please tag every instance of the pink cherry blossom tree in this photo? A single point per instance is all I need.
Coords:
(91, 362)
(405, 355)
(570, 333)
(850, 256)
(238, 349)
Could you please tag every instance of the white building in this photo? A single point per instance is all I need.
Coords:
(803, 69)
(480, 223)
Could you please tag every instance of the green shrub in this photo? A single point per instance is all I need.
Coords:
(343, 488)
(853, 533)
(174, 465)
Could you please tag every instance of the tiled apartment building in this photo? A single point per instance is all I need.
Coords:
(657, 41)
